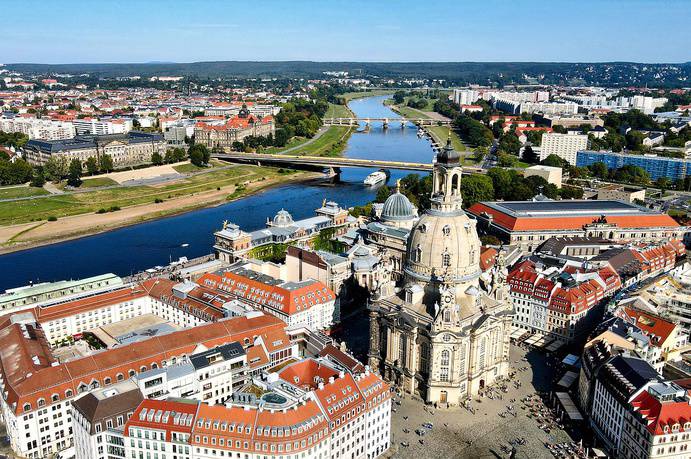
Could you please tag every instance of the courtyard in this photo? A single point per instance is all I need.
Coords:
(490, 426)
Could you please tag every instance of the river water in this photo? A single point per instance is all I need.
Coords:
(135, 248)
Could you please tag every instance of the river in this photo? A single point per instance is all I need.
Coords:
(135, 248)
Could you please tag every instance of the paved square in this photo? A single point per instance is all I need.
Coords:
(458, 433)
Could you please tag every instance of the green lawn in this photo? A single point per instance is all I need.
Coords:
(331, 143)
(21, 192)
(409, 112)
(294, 142)
(348, 96)
(428, 108)
(187, 168)
(63, 205)
(97, 182)
(338, 111)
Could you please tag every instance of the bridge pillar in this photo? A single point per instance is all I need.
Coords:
(403, 121)
(385, 125)
(333, 171)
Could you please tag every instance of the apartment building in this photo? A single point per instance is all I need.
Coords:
(565, 146)
(39, 387)
(310, 409)
(38, 128)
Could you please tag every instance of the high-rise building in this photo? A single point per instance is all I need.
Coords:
(565, 146)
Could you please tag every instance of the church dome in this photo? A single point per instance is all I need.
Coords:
(448, 155)
(283, 218)
(396, 208)
(444, 244)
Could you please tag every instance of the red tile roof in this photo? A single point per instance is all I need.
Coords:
(287, 301)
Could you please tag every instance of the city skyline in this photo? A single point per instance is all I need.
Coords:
(182, 31)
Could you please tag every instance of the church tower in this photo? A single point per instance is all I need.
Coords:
(446, 180)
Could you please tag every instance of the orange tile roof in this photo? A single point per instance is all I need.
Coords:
(288, 301)
(569, 222)
(656, 327)
(26, 381)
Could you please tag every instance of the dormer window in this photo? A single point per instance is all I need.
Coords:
(446, 230)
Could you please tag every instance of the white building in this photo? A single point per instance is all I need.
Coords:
(565, 146)
(95, 127)
(38, 128)
(208, 375)
(98, 420)
(312, 409)
(617, 383)
(465, 96)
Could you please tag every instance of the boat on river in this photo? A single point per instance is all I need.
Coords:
(375, 177)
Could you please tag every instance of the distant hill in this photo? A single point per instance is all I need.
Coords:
(615, 73)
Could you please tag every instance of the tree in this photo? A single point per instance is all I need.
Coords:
(106, 163)
(91, 165)
(55, 169)
(156, 159)
(15, 173)
(75, 173)
(571, 192)
(663, 183)
(382, 194)
(599, 169)
(399, 97)
(502, 181)
(509, 143)
(199, 155)
(529, 155)
(506, 160)
(553, 160)
(38, 179)
(476, 188)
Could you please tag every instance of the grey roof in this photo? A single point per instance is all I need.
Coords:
(109, 402)
(380, 228)
(397, 207)
(448, 156)
(228, 351)
(82, 142)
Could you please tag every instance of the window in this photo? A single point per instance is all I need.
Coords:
(446, 230)
(446, 260)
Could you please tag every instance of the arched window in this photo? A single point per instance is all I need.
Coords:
(446, 230)
(107, 381)
(154, 366)
(447, 318)
(41, 402)
(444, 366)
(142, 369)
(27, 407)
(94, 384)
(55, 397)
(423, 228)
(68, 393)
(82, 388)
(417, 253)
(131, 373)
(445, 357)
(446, 259)
(120, 377)
(455, 182)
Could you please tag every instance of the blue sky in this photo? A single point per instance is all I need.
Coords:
(69, 31)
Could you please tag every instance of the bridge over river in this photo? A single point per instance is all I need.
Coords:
(386, 121)
(331, 164)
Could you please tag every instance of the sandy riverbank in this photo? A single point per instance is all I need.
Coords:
(34, 234)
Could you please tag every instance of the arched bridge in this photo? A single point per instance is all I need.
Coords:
(330, 163)
(385, 121)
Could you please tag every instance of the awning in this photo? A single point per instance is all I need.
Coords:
(544, 341)
(568, 379)
(568, 406)
(554, 346)
(571, 360)
(534, 339)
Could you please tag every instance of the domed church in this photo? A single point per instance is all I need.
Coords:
(437, 330)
